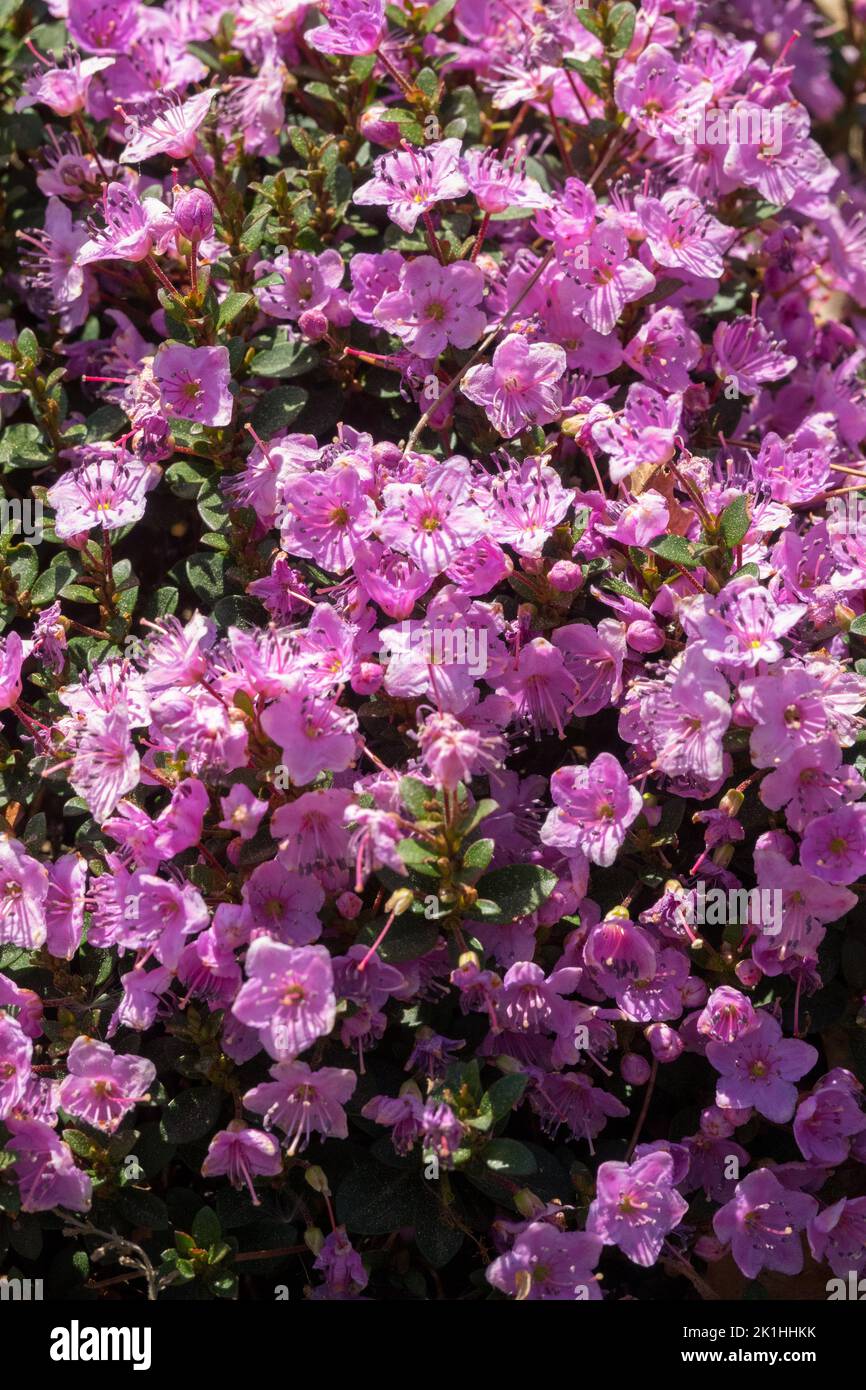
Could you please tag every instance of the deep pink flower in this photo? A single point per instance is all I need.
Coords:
(521, 385)
(194, 382)
(762, 1222)
(411, 182)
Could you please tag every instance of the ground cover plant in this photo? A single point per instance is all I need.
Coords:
(433, 657)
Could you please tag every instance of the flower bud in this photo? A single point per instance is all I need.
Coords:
(314, 1239)
(731, 802)
(715, 1123)
(400, 901)
(316, 1178)
(375, 127)
(192, 210)
(665, 1042)
(709, 1249)
(313, 325)
(528, 1204)
(693, 992)
(565, 577)
(349, 905)
(749, 973)
(635, 1069)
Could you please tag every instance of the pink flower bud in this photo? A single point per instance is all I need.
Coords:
(715, 1123)
(644, 636)
(709, 1249)
(694, 992)
(349, 905)
(749, 973)
(193, 213)
(635, 1069)
(665, 1043)
(565, 577)
(375, 127)
(313, 325)
(367, 678)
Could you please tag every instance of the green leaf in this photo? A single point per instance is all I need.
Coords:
(142, 1208)
(515, 891)
(478, 855)
(436, 14)
(509, 1157)
(414, 794)
(676, 550)
(23, 446)
(505, 1093)
(735, 522)
(191, 1115)
(206, 1227)
(59, 573)
(372, 1199)
(418, 857)
(206, 576)
(858, 627)
(409, 937)
(619, 29)
(480, 811)
(428, 83)
(284, 359)
(275, 411)
(592, 72)
(231, 306)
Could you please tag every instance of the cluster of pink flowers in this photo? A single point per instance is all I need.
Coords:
(448, 621)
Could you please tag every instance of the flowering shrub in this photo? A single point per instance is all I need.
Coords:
(432, 570)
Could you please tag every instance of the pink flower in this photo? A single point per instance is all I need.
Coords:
(284, 904)
(166, 125)
(63, 88)
(102, 1086)
(242, 812)
(608, 278)
(106, 765)
(242, 1154)
(595, 807)
(194, 382)
(23, 890)
(327, 516)
(45, 1169)
(11, 661)
(353, 27)
(431, 521)
(133, 227)
(288, 996)
(747, 357)
(549, 1264)
(636, 1206)
(759, 1068)
(410, 182)
(643, 432)
(299, 1101)
(762, 1222)
(520, 387)
(834, 846)
(307, 282)
(103, 26)
(499, 185)
(682, 235)
(109, 492)
(313, 733)
(434, 306)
